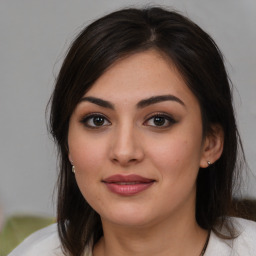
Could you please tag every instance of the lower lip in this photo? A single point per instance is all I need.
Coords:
(129, 189)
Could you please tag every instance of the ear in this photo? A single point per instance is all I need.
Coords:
(213, 146)
(70, 158)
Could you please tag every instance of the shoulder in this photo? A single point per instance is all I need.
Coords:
(245, 241)
(243, 244)
(44, 242)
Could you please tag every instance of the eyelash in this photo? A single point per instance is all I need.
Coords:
(167, 118)
(85, 120)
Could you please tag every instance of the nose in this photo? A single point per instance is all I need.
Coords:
(126, 147)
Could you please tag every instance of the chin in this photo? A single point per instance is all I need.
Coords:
(130, 221)
(130, 217)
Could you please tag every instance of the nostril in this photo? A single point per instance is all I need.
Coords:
(133, 160)
(124, 153)
(124, 161)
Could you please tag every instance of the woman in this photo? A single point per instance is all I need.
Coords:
(142, 114)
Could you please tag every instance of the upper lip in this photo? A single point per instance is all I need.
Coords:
(127, 178)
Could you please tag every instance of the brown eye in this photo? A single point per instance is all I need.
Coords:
(160, 120)
(98, 120)
(95, 121)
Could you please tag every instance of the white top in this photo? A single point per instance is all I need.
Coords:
(45, 242)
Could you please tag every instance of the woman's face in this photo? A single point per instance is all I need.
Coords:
(136, 142)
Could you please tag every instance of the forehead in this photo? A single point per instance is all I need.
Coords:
(141, 75)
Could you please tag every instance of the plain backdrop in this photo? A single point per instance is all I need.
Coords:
(35, 35)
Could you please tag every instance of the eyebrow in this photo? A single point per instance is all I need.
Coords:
(99, 102)
(141, 104)
(157, 99)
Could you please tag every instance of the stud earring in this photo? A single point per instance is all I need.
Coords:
(73, 169)
(209, 163)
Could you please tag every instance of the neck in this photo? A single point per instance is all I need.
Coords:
(173, 237)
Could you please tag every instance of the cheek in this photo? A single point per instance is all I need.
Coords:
(178, 155)
(88, 157)
(177, 164)
(86, 153)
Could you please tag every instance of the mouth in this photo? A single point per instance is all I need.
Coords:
(127, 185)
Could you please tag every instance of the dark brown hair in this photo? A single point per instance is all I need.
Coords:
(199, 61)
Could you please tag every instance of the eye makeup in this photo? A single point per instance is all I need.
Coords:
(95, 121)
(159, 120)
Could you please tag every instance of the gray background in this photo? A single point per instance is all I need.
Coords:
(34, 38)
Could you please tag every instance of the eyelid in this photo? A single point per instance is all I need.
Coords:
(167, 116)
(86, 117)
(164, 114)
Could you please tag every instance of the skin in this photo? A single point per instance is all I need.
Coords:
(128, 140)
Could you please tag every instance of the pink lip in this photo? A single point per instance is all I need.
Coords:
(127, 185)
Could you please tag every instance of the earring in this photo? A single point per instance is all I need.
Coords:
(73, 169)
(209, 163)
